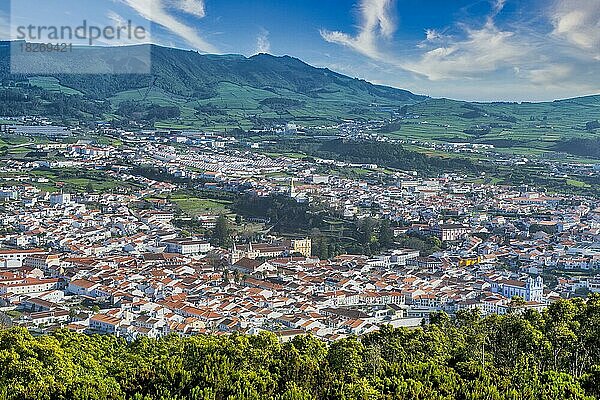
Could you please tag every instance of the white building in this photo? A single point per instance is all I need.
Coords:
(402, 256)
(106, 324)
(530, 290)
(16, 257)
(450, 232)
(29, 285)
(60, 198)
(187, 247)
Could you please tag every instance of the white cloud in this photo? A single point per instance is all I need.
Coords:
(376, 21)
(514, 60)
(157, 11)
(118, 20)
(578, 22)
(482, 51)
(550, 75)
(262, 42)
(432, 34)
(498, 6)
(193, 7)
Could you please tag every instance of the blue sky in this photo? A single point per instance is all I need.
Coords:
(463, 49)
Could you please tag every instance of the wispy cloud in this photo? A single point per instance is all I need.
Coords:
(263, 45)
(497, 7)
(159, 12)
(550, 74)
(578, 22)
(193, 7)
(118, 20)
(483, 50)
(432, 34)
(508, 56)
(377, 22)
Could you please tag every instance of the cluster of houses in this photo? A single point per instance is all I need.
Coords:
(116, 263)
(155, 294)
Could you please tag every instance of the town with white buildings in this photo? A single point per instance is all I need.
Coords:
(121, 259)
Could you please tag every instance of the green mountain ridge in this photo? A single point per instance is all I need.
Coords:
(229, 89)
(188, 90)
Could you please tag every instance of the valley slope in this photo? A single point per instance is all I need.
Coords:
(214, 91)
(188, 90)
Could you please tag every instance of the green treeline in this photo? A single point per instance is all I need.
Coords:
(31, 100)
(550, 355)
(385, 154)
(391, 155)
(366, 236)
(138, 111)
(283, 212)
(585, 147)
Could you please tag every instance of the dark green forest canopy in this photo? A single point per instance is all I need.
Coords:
(549, 355)
(392, 155)
(384, 154)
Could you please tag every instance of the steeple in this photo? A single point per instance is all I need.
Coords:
(292, 190)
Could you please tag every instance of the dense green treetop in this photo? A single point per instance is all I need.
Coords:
(550, 355)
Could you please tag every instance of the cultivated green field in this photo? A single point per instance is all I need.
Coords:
(239, 106)
(518, 126)
(194, 206)
(77, 181)
(52, 85)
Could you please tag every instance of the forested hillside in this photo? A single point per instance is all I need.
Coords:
(208, 90)
(549, 355)
(391, 155)
(188, 90)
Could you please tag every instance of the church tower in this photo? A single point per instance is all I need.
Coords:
(292, 189)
